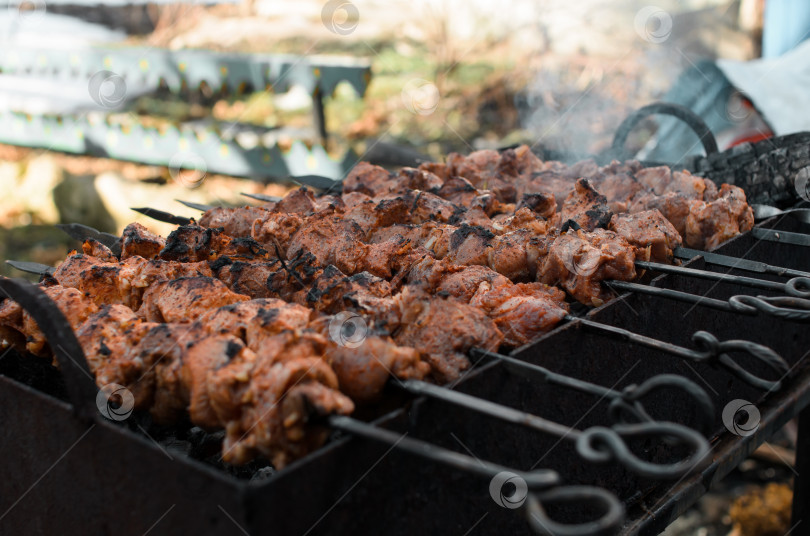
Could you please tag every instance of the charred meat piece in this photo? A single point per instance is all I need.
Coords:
(76, 307)
(113, 330)
(483, 170)
(276, 229)
(299, 201)
(137, 240)
(443, 330)
(268, 406)
(710, 224)
(458, 191)
(586, 206)
(185, 299)
(249, 278)
(542, 204)
(367, 179)
(333, 291)
(619, 189)
(522, 311)
(579, 261)
(235, 222)
(674, 207)
(192, 243)
(93, 248)
(648, 231)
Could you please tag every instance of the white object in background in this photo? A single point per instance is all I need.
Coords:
(778, 87)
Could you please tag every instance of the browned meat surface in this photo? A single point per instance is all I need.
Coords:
(579, 261)
(648, 230)
(710, 224)
(521, 311)
(542, 204)
(98, 250)
(363, 371)
(674, 207)
(151, 369)
(509, 256)
(458, 191)
(236, 222)
(121, 282)
(333, 291)
(69, 272)
(416, 179)
(267, 406)
(481, 168)
(367, 179)
(470, 245)
(656, 179)
(137, 240)
(276, 230)
(76, 307)
(586, 206)
(248, 278)
(256, 321)
(444, 331)
(619, 189)
(185, 299)
(330, 238)
(192, 243)
(111, 331)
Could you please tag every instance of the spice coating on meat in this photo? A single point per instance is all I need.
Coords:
(586, 206)
(233, 221)
(185, 299)
(579, 261)
(137, 240)
(648, 229)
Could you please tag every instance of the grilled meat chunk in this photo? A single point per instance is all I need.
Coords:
(235, 222)
(443, 330)
(93, 248)
(579, 261)
(192, 243)
(185, 299)
(648, 230)
(268, 406)
(137, 240)
(710, 224)
(586, 206)
(367, 179)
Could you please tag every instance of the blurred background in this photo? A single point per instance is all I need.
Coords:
(108, 106)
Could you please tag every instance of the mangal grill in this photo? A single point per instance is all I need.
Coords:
(613, 422)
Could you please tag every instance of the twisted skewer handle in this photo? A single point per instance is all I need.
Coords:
(607, 503)
(787, 308)
(603, 445)
(630, 400)
(711, 349)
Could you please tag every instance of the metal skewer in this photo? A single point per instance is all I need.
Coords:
(784, 237)
(262, 197)
(611, 440)
(710, 350)
(165, 217)
(740, 264)
(788, 308)
(546, 481)
(624, 401)
(196, 206)
(793, 287)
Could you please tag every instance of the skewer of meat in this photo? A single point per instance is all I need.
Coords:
(236, 374)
